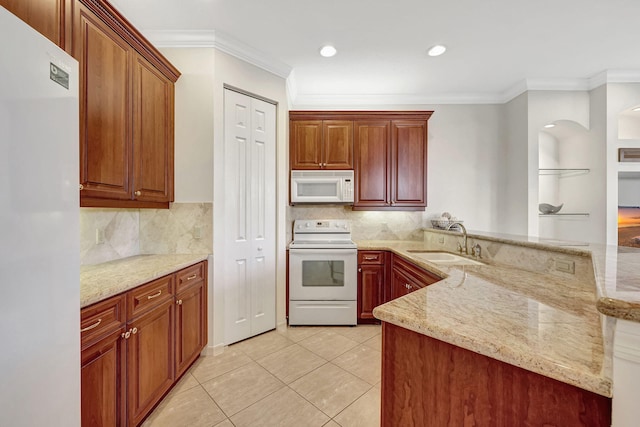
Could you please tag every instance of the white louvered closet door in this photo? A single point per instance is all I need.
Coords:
(250, 216)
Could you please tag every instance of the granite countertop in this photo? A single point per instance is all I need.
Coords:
(541, 322)
(101, 281)
(616, 268)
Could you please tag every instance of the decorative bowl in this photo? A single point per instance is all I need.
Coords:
(546, 208)
(442, 224)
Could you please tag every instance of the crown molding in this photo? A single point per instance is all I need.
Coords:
(305, 100)
(222, 42)
(244, 52)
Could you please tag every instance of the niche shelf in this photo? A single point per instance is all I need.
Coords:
(565, 214)
(562, 171)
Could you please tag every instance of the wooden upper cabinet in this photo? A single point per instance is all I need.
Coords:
(337, 136)
(153, 100)
(45, 16)
(321, 144)
(391, 164)
(409, 163)
(306, 144)
(372, 163)
(105, 107)
(126, 111)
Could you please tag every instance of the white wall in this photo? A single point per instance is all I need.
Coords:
(231, 71)
(193, 123)
(514, 188)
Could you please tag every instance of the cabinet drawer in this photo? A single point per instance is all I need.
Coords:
(370, 257)
(148, 296)
(189, 276)
(101, 318)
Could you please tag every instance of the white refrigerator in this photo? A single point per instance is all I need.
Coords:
(39, 230)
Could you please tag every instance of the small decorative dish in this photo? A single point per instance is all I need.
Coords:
(548, 209)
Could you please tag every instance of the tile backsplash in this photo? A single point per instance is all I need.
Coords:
(120, 234)
(186, 228)
(109, 234)
(365, 225)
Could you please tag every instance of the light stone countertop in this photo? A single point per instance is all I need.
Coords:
(541, 322)
(101, 281)
(616, 268)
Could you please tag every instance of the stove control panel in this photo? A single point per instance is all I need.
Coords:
(322, 226)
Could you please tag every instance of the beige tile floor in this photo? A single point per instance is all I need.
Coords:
(298, 377)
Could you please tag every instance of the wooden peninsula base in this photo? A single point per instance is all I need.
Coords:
(427, 382)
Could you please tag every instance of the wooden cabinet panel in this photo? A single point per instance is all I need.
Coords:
(306, 144)
(427, 382)
(337, 139)
(372, 163)
(153, 133)
(370, 290)
(191, 325)
(406, 277)
(102, 377)
(401, 284)
(45, 16)
(409, 168)
(105, 111)
(150, 360)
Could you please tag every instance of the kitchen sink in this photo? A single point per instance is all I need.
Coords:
(444, 258)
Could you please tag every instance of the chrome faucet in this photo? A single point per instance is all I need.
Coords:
(461, 248)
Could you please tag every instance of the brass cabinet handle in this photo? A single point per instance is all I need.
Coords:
(138, 193)
(193, 276)
(81, 187)
(370, 258)
(126, 335)
(359, 270)
(179, 302)
(154, 295)
(90, 327)
(134, 331)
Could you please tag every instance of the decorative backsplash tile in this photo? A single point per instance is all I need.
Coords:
(365, 225)
(108, 234)
(186, 228)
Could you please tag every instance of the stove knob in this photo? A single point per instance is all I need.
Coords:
(308, 224)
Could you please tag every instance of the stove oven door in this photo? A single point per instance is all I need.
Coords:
(323, 274)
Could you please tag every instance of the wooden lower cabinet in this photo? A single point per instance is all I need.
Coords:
(102, 377)
(429, 383)
(372, 277)
(129, 364)
(191, 325)
(406, 277)
(150, 360)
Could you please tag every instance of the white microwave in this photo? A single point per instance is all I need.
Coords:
(322, 186)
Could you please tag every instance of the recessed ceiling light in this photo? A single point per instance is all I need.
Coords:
(636, 109)
(550, 125)
(328, 51)
(437, 50)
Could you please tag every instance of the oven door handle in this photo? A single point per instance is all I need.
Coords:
(323, 251)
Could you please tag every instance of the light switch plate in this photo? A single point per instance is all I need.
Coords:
(566, 266)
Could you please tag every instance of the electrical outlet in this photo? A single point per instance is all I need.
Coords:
(566, 266)
(441, 240)
(99, 236)
(197, 232)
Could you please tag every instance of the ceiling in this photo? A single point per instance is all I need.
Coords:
(496, 48)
